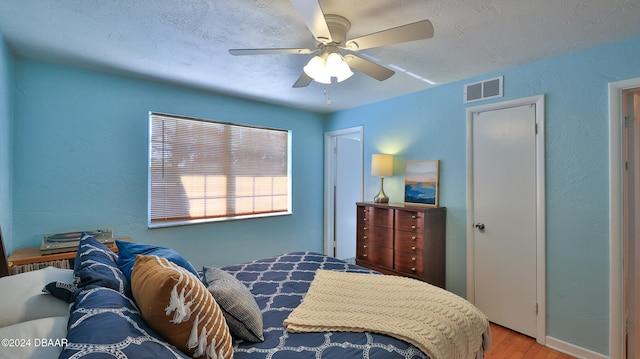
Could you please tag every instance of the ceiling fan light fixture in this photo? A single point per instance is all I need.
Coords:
(323, 67)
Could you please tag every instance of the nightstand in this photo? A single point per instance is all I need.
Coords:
(29, 259)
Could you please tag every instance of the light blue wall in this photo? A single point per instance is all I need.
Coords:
(432, 125)
(80, 161)
(6, 143)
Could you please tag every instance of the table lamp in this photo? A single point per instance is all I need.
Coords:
(381, 165)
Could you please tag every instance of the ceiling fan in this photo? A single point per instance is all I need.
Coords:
(330, 32)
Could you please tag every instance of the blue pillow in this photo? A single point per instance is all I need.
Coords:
(96, 264)
(107, 324)
(127, 252)
(61, 290)
(91, 248)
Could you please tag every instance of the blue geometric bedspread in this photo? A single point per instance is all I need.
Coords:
(279, 284)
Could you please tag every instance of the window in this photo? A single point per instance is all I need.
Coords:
(201, 171)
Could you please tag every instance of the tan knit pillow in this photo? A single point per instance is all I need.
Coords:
(176, 304)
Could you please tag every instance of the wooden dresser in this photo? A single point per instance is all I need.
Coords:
(402, 240)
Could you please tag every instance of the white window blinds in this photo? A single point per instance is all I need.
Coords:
(202, 171)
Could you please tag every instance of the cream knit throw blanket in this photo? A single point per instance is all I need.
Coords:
(441, 324)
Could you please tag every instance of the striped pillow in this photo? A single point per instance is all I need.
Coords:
(177, 305)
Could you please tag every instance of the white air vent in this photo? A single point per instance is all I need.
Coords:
(483, 90)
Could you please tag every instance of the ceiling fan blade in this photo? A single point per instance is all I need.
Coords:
(372, 69)
(416, 31)
(272, 51)
(312, 15)
(303, 81)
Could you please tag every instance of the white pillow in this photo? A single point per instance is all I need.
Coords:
(21, 297)
(40, 338)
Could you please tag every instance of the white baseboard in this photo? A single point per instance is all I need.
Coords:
(573, 350)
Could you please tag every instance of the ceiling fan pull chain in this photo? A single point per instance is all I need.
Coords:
(326, 93)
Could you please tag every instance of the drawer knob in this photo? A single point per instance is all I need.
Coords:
(413, 259)
(365, 246)
(413, 269)
(364, 228)
(413, 227)
(413, 248)
(364, 255)
(414, 238)
(364, 219)
(413, 217)
(365, 237)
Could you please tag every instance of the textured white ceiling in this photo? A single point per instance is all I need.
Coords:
(187, 41)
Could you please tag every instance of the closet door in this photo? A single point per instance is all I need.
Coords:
(504, 216)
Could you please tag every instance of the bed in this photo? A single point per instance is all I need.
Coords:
(110, 307)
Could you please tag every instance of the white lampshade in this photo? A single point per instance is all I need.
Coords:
(315, 69)
(337, 67)
(381, 165)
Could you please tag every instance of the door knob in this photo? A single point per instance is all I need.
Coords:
(480, 226)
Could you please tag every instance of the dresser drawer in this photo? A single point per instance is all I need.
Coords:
(409, 263)
(382, 217)
(409, 221)
(375, 236)
(408, 241)
(379, 256)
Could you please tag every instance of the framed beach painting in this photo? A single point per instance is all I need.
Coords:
(421, 183)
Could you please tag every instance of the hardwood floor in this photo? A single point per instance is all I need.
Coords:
(511, 345)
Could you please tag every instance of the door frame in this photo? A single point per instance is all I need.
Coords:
(538, 101)
(617, 321)
(329, 175)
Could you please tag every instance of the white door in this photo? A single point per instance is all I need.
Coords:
(348, 189)
(632, 219)
(504, 216)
